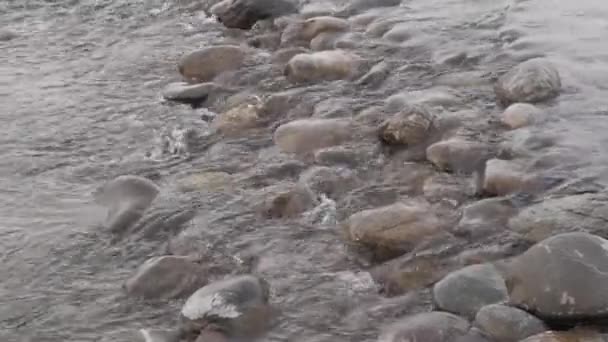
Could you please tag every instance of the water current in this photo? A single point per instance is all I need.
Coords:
(80, 96)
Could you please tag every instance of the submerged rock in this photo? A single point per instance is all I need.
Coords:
(241, 117)
(467, 290)
(235, 306)
(427, 327)
(314, 26)
(243, 14)
(458, 155)
(126, 197)
(508, 324)
(206, 181)
(322, 66)
(166, 277)
(194, 94)
(534, 80)
(485, 217)
(284, 201)
(412, 125)
(393, 229)
(330, 181)
(308, 135)
(205, 64)
(520, 115)
(558, 278)
(503, 177)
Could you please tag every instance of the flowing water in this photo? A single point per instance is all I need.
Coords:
(79, 92)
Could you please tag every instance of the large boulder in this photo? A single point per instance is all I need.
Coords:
(427, 327)
(466, 291)
(243, 14)
(308, 135)
(534, 80)
(322, 66)
(393, 229)
(166, 277)
(126, 197)
(236, 306)
(412, 125)
(205, 64)
(508, 324)
(561, 278)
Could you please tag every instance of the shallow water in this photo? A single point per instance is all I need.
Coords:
(79, 88)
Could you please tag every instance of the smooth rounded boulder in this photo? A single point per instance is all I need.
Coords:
(520, 115)
(126, 197)
(559, 278)
(458, 155)
(428, 327)
(236, 306)
(503, 177)
(532, 81)
(314, 26)
(205, 64)
(508, 324)
(284, 201)
(166, 277)
(467, 290)
(412, 125)
(320, 66)
(308, 135)
(243, 14)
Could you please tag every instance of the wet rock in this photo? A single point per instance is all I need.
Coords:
(379, 27)
(241, 117)
(508, 324)
(155, 335)
(534, 80)
(467, 290)
(458, 155)
(205, 64)
(585, 213)
(411, 126)
(322, 66)
(307, 135)
(445, 187)
(485, 217)
(211, 335)
(6, 35)
(324, 24)
(376, 75)
(194, 94)
(126, 197)
(332, 182)
(559, 278)
(220, 8)
(503, 177)
(235, 306)
(325, 41)
(343, 155)
(362, 20)
(474, 335)
(394, 229)
(399, 33)
(428, 327)
(284, 201)
(166, 277)
(270, 41)
(520, 115)
(243, 14)
(575, 335)
(442, 97)
(205, 181)
(282, 56)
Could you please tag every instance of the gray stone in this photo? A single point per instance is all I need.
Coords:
(427, 327)
(243, 14)
(561, 277)
(508, 324)
(411, 126)
(485, 217)
(205, 64)
(467, 290)
(532, 81)
(308, 135)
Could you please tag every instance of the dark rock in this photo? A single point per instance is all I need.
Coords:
(508, 324)
(243, 14)
(467, 290)
(559, 278)
(411, 126)
(534, 80)
(166, 277)
(427, 327)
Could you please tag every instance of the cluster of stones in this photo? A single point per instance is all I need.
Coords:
(558, 279)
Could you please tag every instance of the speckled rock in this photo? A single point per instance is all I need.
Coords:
(284, 201)
(393, 229)
(235, 306)
(503, 177)
(585, 213)
(322, 66)
(427, 327)
(411, 126)
(485, 217)
(166, 277)
(241, 117)
(308, 135)
(558, 278)
(532, 81)
(576, 335)
(458, 155)
(520, 115)
(205, 64)
(467, 290)
(508, 324)
(126, 197)
(243, 14)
